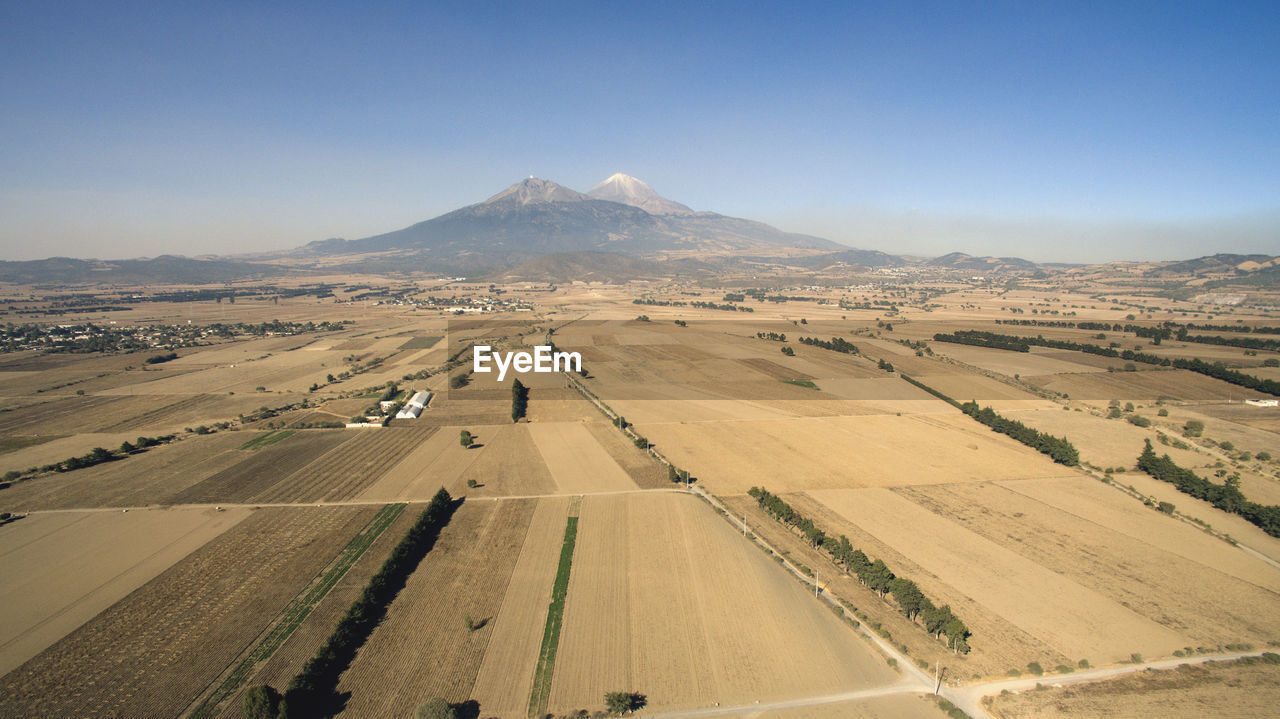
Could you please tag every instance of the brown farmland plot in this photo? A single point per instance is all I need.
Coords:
(64, 568)
(344, 471)
(505, 678)
(576, 460)
(666, 599)
(260, 469)
(151, 653)
(1063, 609)
(1215, 689)
(423, 648)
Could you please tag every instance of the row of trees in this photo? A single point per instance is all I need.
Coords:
(836, 344)
(312, 692)
(727, 308)
(984, 339)
(775, 336)
(1059, 449)
(1217, 370)
(1017, 344)
(1226, 497)
(519, 400)
(1251, 343)
(98, 455)
(875, 574)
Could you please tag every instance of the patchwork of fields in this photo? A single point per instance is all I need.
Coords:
(135, 586)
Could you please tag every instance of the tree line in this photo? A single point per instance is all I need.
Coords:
(1217, 370)
(984, 339)
(1059, 449)
(1017, 343)
(1251, 343)
(836, 344)
(1226, 497)
(727, 308)
(875, 574)
(313, 692)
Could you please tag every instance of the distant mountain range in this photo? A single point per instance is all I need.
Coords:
(538, 217)
(537, 229)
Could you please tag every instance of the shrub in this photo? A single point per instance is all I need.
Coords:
(1139, 420)
(261, 702)
(619, 703)
(1083, 664)
(1193, 428)
(1162, 412)
(1035, 668)
(1264, 456)
(436, 708)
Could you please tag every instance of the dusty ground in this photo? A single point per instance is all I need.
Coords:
(65, 568)
(152, 652)
(465, 574)
(666, 599)
(1189, 692)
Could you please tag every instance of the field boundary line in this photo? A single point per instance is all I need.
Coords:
(545, 671)
(261, 649)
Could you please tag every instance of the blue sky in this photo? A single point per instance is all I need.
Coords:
(1054, 131)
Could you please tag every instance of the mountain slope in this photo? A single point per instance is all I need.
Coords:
(165, 268)
(537, 217)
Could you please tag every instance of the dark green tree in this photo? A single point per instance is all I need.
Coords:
(519, 400)
(620, 703)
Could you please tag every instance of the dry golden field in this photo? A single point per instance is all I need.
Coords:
(1227, 690)
(667, 598)
(63, 568)
(464, 575)
(134, 613)
(152, 652)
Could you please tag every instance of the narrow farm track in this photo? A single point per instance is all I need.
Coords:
(344, 471)
(349, 502)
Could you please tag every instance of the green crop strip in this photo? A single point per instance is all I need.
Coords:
(267, 439)
(555, 618)
(292, 616)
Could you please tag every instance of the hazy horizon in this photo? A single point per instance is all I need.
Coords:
(1054, 134)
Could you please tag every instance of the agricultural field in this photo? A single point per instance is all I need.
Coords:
(845, 452)
(581, 567)
(152, 652)
(706, 617)
(464, 576)
(64, 568)
(1058, 570)
(1219, 689)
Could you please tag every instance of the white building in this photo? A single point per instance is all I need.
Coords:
(1263, 402)
(419, 400)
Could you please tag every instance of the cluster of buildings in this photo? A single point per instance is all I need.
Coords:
(413, 408)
